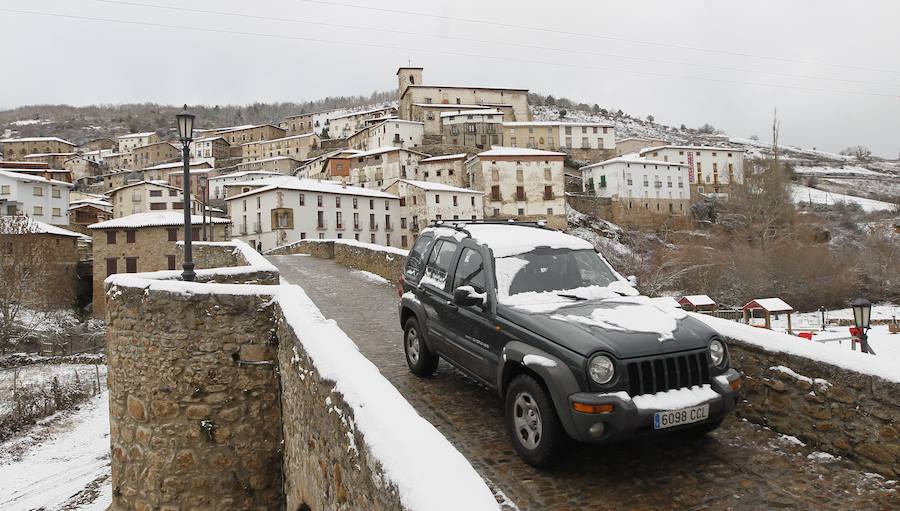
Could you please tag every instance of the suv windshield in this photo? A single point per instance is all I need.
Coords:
(552, 271)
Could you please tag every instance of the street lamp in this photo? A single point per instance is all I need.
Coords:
(822, 312)
(862, 314)
(186, 135)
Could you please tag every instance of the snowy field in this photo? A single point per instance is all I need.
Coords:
(43, 374)
(802, 194)
(65, 465)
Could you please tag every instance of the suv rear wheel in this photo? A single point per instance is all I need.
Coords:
(532, 421)
(420, 359)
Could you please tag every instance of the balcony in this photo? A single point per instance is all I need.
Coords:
(244, 230)
(357, 227)
(257, 228)
(339, 226)
(657, 184)
(322, 226)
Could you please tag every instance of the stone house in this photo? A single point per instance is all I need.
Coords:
(520, 183)
(585, 140)
(53, 160)
(131, 141)
(635, 144)
(640, 185)
(210, 149)
(313, 122)
(44, 200)
(198, 177)
(422, 202)
(413, 91)
(238, 135)
(162, 171)
(429, 114)
(97, 145)
(42, 258)
(143, 242)
(342, 126)
(449, 169)
(115, 161)
(393, 132)
(87, 212)
(18, 148)
(711, 170)
(379, 167)
(289, 209)
(148, 196)
(154, 154)
(281, 164)
(296, 146)
(474, 128)
(80, 167)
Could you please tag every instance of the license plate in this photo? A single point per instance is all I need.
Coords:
(667, 419)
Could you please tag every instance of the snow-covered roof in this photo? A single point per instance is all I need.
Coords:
(38, 155)
(38, 139)
(363, 112)
(244, 127)
(138, 135)
(666, 301)
(769, 304)
(693, 148)
(456, 107)
(631, 158)
(446, 157)
(472, 112)
(646, 139)
(438, 187)
(137, 183)
(313, 185)
(273, 158)
(25, 175)
(154, 219)
(698, 300)
(410, 87)
(235, 175)
(517, 151)
(176, 165)
(210, 139)
(292, 137)
(90, 202)
(507, 240)
(386, 149)
(27, 225)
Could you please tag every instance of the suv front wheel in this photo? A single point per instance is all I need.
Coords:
(532, 421)
(420, 359)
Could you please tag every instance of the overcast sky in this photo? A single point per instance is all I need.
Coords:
(683, 61)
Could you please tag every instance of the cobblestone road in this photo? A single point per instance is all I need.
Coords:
(740, 466)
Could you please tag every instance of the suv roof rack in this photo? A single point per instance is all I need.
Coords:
(460, 225)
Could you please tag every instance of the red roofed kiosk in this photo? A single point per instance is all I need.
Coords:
(769, 306)
(698, 303)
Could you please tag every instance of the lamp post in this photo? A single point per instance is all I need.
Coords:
(862, 314)
(186, 135)
(822, 312)
(203, 204)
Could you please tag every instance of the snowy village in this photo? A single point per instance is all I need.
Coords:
(527, 272)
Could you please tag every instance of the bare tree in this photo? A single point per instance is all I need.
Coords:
(22, 267)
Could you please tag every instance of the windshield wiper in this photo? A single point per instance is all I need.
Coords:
(574, 297)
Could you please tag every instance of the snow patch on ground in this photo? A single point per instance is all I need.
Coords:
(55, 472)
(805, 194)
(378, 279)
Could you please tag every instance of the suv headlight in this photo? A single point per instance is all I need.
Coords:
(717, 352)
(601, 369)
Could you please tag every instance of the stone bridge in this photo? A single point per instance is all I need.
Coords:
(740, 466)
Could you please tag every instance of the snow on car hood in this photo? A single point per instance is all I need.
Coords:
(549, 301)
(629, 314)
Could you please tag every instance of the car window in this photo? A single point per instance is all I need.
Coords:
(439, 263)
(551, 270)
(469, 271)
(416, 258)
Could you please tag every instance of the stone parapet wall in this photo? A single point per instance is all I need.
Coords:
(228, 262)
(386, 262)
(195, 409)
(834, 409)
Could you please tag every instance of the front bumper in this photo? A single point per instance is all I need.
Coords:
(628, 421)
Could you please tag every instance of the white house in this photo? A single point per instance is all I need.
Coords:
(45, 200)
(554, 135)
(379, 167)
(393, 132)
(343, 126)
(217, 184)
(129, 142)
(291, 209)
(476, 128)
(640, 183)
(710, 169)
(422, 202)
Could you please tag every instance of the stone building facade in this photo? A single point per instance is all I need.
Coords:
(143, 242)
(640, 183)
(390, 133)
(380, 167)
(711, 170)
(480, 129)
(154, 154)
(18, 148)
(296, 146)
(131, 141)
(448, 169)
(526, 184)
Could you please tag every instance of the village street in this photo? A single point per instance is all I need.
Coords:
(741, 465)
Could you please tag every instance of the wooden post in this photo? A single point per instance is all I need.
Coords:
(768, 319)
(790, 331)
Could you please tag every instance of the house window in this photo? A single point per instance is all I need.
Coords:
(156, 193)
(521, 211)
(355, 203)
(155, 206)
(495, 192)
(372, 237)
(170, 262)
(4, 190)
(56, 193)
(303, 199)
(319, 200)
(56, 212)
(129, 235)
(110, 237)
(548, 192)
(111, 265)
(195, 234)
(520, 193)
(173, 234)
(437, 198)
(403, 241)
(337, 202)
(455, 200)
(131, 265)
(37, 191)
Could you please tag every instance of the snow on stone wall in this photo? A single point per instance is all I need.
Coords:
(383, 261)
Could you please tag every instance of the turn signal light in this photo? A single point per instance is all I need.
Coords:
(588, 408)
(736, 384)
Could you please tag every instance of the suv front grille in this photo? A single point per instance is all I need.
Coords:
(659, 374)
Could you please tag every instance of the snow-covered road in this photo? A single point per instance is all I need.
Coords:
(69, 469)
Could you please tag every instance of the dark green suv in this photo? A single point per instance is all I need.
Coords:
(566, 341)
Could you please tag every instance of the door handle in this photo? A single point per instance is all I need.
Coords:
(450, 305)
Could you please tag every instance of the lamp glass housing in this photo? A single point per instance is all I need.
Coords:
(185, 125)
(862, 313)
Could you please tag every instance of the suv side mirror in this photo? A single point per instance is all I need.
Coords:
(632, 280)
(466, 296)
